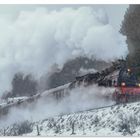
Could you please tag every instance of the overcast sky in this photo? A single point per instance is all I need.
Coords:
(114, 12)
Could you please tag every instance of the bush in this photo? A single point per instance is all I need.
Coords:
(19, 129)
(128, 124)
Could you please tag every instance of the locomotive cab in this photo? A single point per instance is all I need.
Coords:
(128, 86)
(127, 78)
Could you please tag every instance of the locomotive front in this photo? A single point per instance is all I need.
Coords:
(128, 87)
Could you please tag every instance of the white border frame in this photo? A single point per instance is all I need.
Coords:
(69, 2)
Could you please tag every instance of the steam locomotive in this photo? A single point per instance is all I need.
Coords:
(118, 76)
(128, 86)
(123, 79)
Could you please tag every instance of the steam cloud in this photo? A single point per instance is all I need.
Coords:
(80, 99)
(35, 40)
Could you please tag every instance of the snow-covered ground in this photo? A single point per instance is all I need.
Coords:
(11, 101)
(119, 120)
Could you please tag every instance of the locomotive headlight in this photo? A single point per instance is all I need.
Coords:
(128, 70)
(122, 84)
(138, 84)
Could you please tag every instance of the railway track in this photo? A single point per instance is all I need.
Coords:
(104, 107)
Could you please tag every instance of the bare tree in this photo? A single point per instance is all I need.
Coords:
(38, 131)
(73, 126)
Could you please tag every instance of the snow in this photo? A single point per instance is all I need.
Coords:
(47, 92)
(119, 120)
(12, 101)
(15, 99)
(83, 71)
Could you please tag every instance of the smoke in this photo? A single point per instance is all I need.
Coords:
(35, 40)
(80, 99)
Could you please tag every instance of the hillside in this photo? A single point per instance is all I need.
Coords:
(119, 120)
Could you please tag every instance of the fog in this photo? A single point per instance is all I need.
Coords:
(79, 99)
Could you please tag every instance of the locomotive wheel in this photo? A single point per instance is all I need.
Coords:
(122, 98)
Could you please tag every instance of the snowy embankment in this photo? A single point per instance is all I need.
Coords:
(119, 120)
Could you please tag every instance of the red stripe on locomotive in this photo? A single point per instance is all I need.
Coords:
(130, 90)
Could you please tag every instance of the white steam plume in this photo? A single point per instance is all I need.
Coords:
(35, 40)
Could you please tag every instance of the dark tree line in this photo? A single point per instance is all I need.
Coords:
(22, 85)
(26, 85)
(71, 69)
(131, 29)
